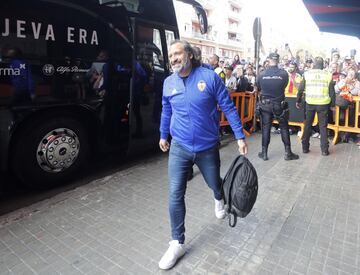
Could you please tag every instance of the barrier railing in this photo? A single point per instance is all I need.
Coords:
(338, 126)
(244, 102)
(296, 116)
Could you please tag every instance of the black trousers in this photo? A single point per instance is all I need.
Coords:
(267, 113)
(322, 112)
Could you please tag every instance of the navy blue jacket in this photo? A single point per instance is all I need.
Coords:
(272, 83)
(190, 111)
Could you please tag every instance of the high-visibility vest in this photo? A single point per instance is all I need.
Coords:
(317, 87)
(220, 73)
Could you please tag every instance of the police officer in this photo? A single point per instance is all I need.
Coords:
(319, 95)
(272, 83)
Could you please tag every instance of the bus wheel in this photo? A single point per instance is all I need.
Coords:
(50, 152)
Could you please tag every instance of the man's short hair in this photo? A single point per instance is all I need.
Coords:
(319, 63)
(216, 57)
(197, 53)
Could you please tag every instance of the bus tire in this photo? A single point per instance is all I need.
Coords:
(49, 152)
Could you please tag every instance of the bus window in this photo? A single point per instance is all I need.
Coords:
(148, 77)
(170, 37)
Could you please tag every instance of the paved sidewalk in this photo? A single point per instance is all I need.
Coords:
(306, 221)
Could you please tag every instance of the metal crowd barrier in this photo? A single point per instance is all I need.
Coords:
(345, 127)
(297, 116)
(244, 102)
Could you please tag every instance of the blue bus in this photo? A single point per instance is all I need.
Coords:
(78, 77)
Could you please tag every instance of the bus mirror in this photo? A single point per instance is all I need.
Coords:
(200, 13)
(202, 20)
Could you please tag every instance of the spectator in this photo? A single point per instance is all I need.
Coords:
(250, 75)
(308, 64)
(230, 80)
(214, 62)
(236, 61)
(242, 84)
(198, 56)
(294, 79)
(349, 85)
(334, 69)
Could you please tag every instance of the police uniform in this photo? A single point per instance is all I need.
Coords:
(272, 83)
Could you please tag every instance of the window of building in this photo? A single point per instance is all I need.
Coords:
(232, 36)
(235, 9)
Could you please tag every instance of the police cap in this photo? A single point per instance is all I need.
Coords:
(274, 56)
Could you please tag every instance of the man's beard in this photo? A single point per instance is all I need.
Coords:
(178, 68)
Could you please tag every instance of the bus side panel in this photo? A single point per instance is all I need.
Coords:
(54, 53)
(57, 57)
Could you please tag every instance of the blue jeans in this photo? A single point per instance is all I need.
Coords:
(180, 162)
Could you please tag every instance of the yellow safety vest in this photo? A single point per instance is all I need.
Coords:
(220, 72)
(317, 87)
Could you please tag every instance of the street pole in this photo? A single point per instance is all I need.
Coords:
(257, 38)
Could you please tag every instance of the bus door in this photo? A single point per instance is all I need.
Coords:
(149, 72)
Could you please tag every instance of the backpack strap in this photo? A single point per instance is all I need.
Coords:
(231, 167)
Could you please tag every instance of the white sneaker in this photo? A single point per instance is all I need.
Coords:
(172, 254)
(219, 209)
(315, 135)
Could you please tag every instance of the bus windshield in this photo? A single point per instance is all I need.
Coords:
(150, 8)
(130, 5)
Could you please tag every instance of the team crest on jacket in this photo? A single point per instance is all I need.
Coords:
(201, 85)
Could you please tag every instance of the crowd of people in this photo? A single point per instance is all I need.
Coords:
(239, 75)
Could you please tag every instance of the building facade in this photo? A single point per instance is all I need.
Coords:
(224, 36)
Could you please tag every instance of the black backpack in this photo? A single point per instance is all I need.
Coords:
(240, 188)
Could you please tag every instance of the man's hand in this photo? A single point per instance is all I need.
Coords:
(164, 145)
(243, 149)
(298, 105)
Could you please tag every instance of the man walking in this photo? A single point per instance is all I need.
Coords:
(272, 104)
(190, 98)
(319, 89)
